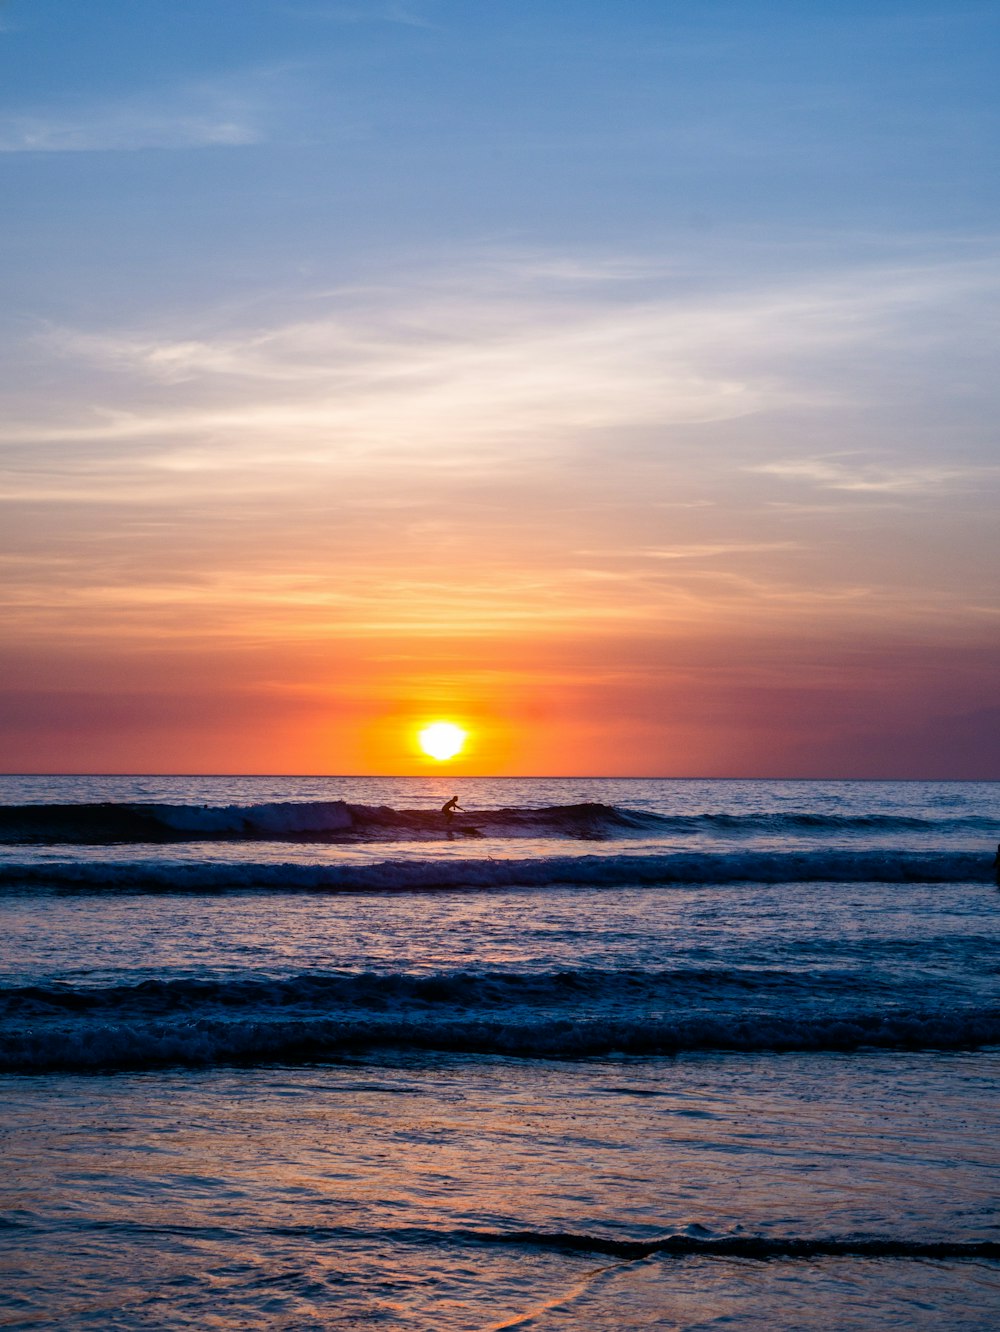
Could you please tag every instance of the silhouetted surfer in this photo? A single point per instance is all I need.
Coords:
(449, 807)
(996, 865)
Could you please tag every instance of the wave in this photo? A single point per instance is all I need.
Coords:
(486, 990)
(759, 1247)
(693, 1240)
(212, 1039)
(485, 873)
(339, 821)
(704, 1244)
(321, 820)
(805, 821)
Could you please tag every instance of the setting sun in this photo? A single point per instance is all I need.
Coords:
(442, 740)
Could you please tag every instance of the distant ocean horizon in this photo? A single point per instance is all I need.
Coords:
(443, 778)
(592, 1052)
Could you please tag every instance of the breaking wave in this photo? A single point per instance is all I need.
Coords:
(321, 820)
(214, 1039)
(339, 821)
(484, 873)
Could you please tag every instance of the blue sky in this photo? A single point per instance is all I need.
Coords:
(670, 325)
(228, 143)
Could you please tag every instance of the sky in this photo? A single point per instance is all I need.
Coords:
(616, 380)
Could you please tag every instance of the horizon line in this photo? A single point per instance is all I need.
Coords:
(505, 777)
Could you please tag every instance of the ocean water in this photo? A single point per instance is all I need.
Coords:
(297, 1053)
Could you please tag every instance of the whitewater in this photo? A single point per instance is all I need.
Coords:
(302, 1052)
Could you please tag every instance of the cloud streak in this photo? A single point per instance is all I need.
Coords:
(460, 374)
(860, 476)
(226, 113)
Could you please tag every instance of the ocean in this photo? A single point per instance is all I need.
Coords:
(597, 1054)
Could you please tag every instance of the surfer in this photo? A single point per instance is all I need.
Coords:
(996, 865)
(449, 807)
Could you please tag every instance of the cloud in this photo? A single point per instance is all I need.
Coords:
(439, 379)
(488, 371)
(880, 478)
(224, 113)
(696, 551)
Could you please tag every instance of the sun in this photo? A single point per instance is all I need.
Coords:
(442, 740)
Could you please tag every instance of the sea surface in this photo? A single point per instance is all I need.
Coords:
(599, 1054)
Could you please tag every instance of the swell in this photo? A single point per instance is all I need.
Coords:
(694, 1241)
(484, 990)
(483, 873)
(758, 1247)
(205, 1041)
(340, 821)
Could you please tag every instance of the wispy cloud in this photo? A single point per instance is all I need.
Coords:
(462, 356)
(695, 551)
(483, 372)
(457, 374)
(888, 477)
(224, 113)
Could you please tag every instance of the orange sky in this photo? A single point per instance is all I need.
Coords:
(575, 703)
